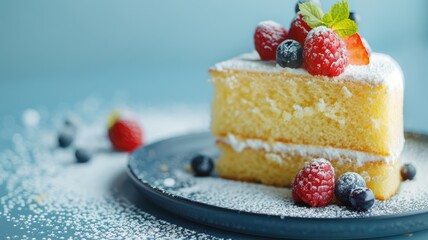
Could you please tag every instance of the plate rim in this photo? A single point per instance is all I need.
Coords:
(175, 197)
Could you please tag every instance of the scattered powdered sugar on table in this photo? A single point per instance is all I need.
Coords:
(44, 194)
(257, 198)
(48, 196)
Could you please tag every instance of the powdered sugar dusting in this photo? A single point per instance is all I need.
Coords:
(48, 196)
(381, 70)
(274, 29)
(317, 31)
(261, 199)
(269, 23)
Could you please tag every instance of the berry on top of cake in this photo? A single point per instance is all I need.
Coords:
(324, 53)
(329, 41)
(267, 37)
(324, 96)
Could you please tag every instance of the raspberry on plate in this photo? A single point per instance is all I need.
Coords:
(299, 29)
(314, 184)
(125, 135)
(294, 195)
(324, 53)
(267, 37)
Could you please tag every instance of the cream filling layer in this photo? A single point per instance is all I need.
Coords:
(304, 150)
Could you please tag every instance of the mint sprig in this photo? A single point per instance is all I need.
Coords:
(312, 14)
(345, 28)
(337, 19)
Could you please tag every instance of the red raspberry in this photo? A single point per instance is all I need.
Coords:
(294, 194)
(267, 37)
(299, 29)
(314, 184)
(125, 135)
(324, 53)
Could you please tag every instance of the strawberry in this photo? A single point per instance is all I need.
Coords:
(299, 29)
(324, 53)
(125, 135)
(357, 52)
(267, 37)
(314, 184)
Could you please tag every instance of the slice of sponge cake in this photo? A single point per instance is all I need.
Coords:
(270, 120)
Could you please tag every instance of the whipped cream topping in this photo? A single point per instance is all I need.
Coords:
(304, 150)
(381, 70)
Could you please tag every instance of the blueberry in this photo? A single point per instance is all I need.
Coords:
(202, 165)
(82, 155)
(289, 54)
(355, 17)
(316, 2)
(65, 138)
(345, 184)
(408, 172)
(362, 199)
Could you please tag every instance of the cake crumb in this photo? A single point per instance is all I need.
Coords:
(365, 176)
(286, 116)
(320, 105)
(169, 182)
(188, 168)
(375, 123)
(346, 92)
(164, 168)
(39, 198)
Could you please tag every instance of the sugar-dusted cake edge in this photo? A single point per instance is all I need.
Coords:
(382, 69)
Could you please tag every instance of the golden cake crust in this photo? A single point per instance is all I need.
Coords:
(357, 115)
(280, 169)
(293, 107)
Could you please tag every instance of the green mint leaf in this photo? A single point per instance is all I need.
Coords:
(345, 28)
(328, 20)
(339, 11)
(337, 19)
(312, 14)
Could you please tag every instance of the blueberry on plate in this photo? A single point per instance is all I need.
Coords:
(316, 2)
(289, 54)
(345, 184)
(202, 165)
(408, 172)
(82, 155)
(65, 139)
(361, 198)
(354, 17)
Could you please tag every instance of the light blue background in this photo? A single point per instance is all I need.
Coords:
(54, 53)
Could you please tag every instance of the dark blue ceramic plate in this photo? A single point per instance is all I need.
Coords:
(158, 170)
